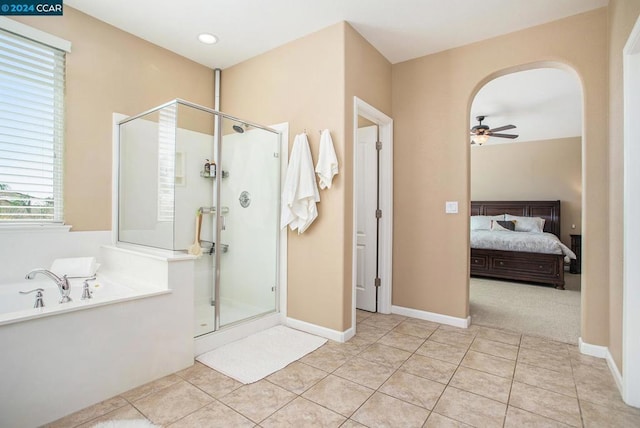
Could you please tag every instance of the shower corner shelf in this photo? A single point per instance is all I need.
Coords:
(204, 174)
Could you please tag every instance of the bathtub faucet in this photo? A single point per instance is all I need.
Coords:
(62, 283)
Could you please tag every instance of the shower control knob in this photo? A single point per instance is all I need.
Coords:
(245, 199)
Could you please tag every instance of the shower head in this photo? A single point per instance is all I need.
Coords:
(239, 129)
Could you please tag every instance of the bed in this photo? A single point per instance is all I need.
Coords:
(535, 267)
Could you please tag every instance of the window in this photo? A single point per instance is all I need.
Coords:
(31, 127)
(166, 162)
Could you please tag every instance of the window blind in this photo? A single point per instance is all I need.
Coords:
(31, 130)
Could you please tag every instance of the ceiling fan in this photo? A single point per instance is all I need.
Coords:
(481, 133)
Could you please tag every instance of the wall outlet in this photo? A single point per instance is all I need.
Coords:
(451, 207)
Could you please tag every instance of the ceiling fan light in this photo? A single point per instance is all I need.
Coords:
(480, 139)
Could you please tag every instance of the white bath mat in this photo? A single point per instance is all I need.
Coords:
(250, 359)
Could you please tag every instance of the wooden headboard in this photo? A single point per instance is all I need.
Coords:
(548, 210)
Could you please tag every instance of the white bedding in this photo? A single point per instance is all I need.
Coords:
(546, 243)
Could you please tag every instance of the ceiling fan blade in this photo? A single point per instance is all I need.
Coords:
(502, 128)
(504, 135)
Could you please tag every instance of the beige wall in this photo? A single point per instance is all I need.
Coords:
(622, 17)
(310, 83)
(110, 71)
(431, 101)
(532, 170)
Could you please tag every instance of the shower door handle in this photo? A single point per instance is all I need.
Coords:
(212, 249)
(224, 222)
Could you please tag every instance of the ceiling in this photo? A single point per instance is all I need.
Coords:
(542, 104)
(399, 29)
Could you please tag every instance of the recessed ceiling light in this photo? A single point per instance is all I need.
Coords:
(207, 38)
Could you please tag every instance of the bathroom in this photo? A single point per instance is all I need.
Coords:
(144, 298)
(308, 83)
(112, 75)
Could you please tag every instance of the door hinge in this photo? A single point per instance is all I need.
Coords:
(377, 282)
(378, 145)
(378, 213)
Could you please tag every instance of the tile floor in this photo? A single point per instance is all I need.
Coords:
(396, 372)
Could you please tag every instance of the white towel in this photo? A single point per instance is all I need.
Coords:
(300, 192)
(75, 267)
(327, 165)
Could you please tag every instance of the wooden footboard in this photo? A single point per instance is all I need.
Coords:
(519, 266)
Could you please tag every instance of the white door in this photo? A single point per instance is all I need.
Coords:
(366, 187)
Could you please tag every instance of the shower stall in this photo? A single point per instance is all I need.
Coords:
(195, 180)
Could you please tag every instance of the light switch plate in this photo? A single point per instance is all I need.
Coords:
(451, 207)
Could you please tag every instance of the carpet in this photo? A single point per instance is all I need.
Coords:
(250, 359)
(530, 309)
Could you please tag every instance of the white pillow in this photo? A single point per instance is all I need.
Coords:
(527, 224)
(483, 222)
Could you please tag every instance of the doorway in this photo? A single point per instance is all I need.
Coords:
(535, 163)
(373, 187)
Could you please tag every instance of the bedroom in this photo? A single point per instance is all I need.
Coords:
(537, 160)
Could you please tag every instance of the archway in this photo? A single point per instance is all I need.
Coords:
(544, 163)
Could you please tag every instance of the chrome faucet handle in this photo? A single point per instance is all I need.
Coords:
(39, 302)
(86, 293)
(39, 290)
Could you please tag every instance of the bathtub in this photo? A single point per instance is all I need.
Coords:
(59, 359)
(16, 307)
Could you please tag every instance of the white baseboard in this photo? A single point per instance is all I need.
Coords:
(432, 316)
(327, 333)
(592, 350)
(599, 351)
(614, 371)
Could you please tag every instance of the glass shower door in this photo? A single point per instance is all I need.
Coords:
(194, 204)
(249, 169)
